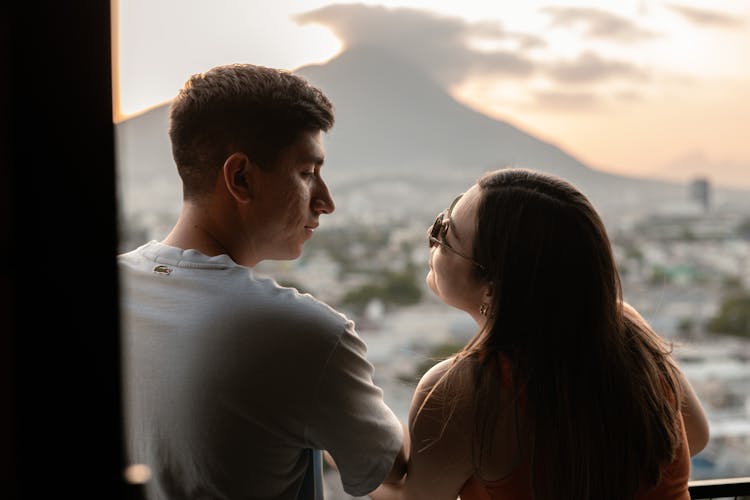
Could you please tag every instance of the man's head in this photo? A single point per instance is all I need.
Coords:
(244, 108)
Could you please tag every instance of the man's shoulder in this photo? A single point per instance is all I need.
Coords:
(136, 255)
(283, 323)
(290, 305)
(128, 255)
(283, 312)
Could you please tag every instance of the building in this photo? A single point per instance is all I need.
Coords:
(700, 192)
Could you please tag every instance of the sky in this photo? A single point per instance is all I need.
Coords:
(658, 88)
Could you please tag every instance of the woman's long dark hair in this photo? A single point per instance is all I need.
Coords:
(601, 394)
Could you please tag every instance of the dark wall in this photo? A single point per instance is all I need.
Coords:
(60, 431)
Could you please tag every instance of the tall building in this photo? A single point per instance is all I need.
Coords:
(700, 192)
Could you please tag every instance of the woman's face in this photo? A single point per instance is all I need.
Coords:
(452, 276)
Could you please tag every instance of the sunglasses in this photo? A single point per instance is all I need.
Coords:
(440, 228)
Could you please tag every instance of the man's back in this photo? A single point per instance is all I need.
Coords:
(231, 381)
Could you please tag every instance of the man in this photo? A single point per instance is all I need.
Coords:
(233, 383)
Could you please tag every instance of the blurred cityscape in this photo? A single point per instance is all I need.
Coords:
(685, 266)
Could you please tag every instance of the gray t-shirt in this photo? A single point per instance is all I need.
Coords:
(231, 380)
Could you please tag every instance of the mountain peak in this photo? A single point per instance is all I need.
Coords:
(399, 116)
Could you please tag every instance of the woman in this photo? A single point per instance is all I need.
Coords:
(565, 392)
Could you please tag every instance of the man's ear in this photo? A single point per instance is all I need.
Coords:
(237, 175)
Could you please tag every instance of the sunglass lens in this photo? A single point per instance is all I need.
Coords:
(436, 227)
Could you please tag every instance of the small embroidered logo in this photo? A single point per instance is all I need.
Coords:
(163, 270)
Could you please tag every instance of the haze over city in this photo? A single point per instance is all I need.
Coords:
(648, 88)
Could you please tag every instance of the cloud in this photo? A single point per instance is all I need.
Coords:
(565, 100)
(589, 68)
(492, 29)
(628, 96)
(704, 17)
(453, 50)
(439, 44)
(598, 23)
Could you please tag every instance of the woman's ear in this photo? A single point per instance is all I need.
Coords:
(237, 176)
(488, 289)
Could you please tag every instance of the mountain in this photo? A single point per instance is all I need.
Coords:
(401, 145)
(147, 176)
(390, 116)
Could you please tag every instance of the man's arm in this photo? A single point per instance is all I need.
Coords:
(399, 465)
(350, 419)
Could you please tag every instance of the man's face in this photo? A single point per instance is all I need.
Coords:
(289, 199)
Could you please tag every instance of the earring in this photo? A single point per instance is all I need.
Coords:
(484, 308)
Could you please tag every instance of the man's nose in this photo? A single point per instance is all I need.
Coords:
(323, 202)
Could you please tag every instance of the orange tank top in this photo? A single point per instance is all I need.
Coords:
(517, 485)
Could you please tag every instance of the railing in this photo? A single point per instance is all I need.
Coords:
(737, 488)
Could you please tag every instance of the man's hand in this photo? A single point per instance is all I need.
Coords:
(329, 460)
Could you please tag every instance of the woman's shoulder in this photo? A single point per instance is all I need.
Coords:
(452, 374)
(446, 388)
(440, 420)
(436, 373)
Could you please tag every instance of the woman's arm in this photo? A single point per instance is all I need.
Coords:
(440, 446)
(696, 424)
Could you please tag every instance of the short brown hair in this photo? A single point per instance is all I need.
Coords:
(240, 107)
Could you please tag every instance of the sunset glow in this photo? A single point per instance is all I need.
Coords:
(651, 88)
